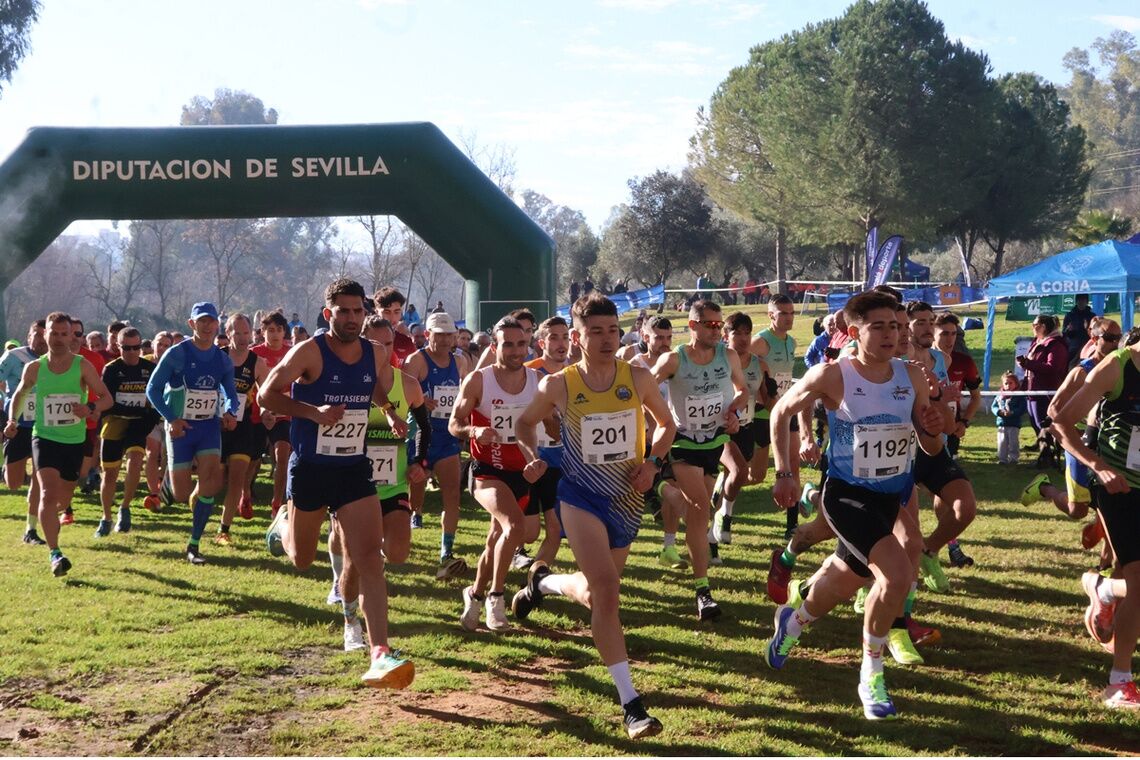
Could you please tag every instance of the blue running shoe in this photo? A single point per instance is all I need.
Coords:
(124, 523)
(103, 529)
(877, 704)
(273, 535)
(781, 644)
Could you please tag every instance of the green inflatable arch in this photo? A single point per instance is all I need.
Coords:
(412, 171)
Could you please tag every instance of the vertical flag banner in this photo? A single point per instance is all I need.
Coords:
(884, 260)
(872, 249)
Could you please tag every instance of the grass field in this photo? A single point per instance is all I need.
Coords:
(137, 652)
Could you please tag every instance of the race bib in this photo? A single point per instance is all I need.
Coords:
(1133, 461)
(703, 413)
(58, 409)
(746, 414)
(444, 396)
(344, 438)
(503, 419)
(608, 438)
(200, 404)
(882, 450)
(953, 408)
(29, 411)
(784, 381)
(545, 441)
(243, 400)
(132, 400)
(383, 459)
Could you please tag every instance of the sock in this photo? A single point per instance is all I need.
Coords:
(788, 558)
(872, 656)
(670, 540)
(701, 583)
(619, 671)
(55, 553)
(791, 518)
(711, 535)
(337, 562)
(446, 544)
(799, 620)
(351, 610)
(726, 505)
(552, 584)
(222, 529)
(32, 522)
(203, 508)
(378, 651)
(1118, 676)
(660, 489)
(1104, 591)
(952, 544)
(908, 605)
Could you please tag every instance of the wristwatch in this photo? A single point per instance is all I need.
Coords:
(655, 461)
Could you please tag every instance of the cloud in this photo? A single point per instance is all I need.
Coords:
(982, 43)
(1127, 23)
(673, 58)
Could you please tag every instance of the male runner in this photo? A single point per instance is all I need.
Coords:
(275, 328)
(156, 441)
(600, 402)
(490, 403)
(335, 378)
(125, 427)
(874, 403)
(1113, 614)
(59, 381)
(184, 390)
(526, 318)
(390, 304)
(439, 370)
(88, 472)
(18, 450)
(242, 444)
(706, 389)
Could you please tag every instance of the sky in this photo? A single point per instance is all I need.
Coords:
(588, 94)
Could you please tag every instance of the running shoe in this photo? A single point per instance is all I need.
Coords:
(722, 528)
(714, 555)
(860, 603)
(1032, 492)
(530, 596)
(33, 539)
(521, 560)
(779, 576)
(639, 724)
(166, 493)
(354, 636)
(388, 671)
(781, 644)
(1121, 696)
(194, 556)
(1092, 534)
(922, 635)
(1098, 616)
(273, 535)
(902, 648)
(417, 520)
(245, 507)
(223, 539)
(68, 517)
(796, 594)
(707, 608)
(469, 620)
(103, 529)
(60, 565)
(877, 704)
(496, 607)
(718, 488)
(804, 505)
(653, 504)
(932, 574)
(151, 503)
(670, 557)
(450, 567)
(959, 558)
(334, 595)
(123, 525)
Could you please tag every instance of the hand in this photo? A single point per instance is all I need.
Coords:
(485, 436)
(809, 451)
(534, 470)
(1020, 361)
(82, 411)
(398, 425)
(960, 430)
(178, 428)
(932, 419)
(1111, 480)
(328, 414)
(415, 474)
(786, 492)
(642, 477)
(11, 429)
(268, 418)
(430, 403)
(731, 422)
(229, 422)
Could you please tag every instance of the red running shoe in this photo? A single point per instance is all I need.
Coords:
(245, 507)
(1098, 615)
(779, 577)
(1092, 534)
(921, 635)
(68, 517)
(152, 502)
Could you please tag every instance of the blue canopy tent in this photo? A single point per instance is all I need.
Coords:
(1108, 267)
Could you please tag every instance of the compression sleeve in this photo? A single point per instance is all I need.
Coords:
(422, 434)
(168, 367)
(228, 385)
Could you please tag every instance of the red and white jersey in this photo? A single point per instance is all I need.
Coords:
(501, 411)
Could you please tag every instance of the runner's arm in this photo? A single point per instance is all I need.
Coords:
(228, 386)
(1099, 383)
(422, 439)
(664, 428)
(821, 380)
(470, 392)
(739, 384)
(666, 366)
(545, 402)
(168, 366)
(27, 381)
(300, 360)
(1072, 382)
(924, 415)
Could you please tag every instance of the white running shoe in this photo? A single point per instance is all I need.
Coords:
(497, 613)
(354, 636)
(469, 620)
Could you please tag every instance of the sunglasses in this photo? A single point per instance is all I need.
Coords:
(712, 324)
(124, 347)
(1112, 337)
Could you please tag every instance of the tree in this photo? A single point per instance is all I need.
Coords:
(1096, 226)
(227, 107)
(16, 19)
(380, 266)
(496, 161)
(116, 274)
(156, 251)
(575, 243)
(229, 244)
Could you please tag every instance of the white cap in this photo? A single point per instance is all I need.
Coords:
(440, 322)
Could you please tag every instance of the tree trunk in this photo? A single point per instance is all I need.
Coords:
(999, 254)
(781, 259)
(965, 241)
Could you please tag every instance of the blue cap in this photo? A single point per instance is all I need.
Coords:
(204, 309)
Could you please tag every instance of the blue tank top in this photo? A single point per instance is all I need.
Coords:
(446, 378)
(342, 443)
(871, 433)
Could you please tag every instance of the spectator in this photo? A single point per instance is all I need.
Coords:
(765, 294)
(703, 284)
(816, 353)
(733, 295)
(751, 291)
(1094, 330)
(1045, 365)
(573, 291)
(411, 316)
(294, 322)
(299, 334)
(418, 335)
(1008, 410)
(620, 287)
(438, 308)
(839, 338)
(587, 287)
(1076, 326)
